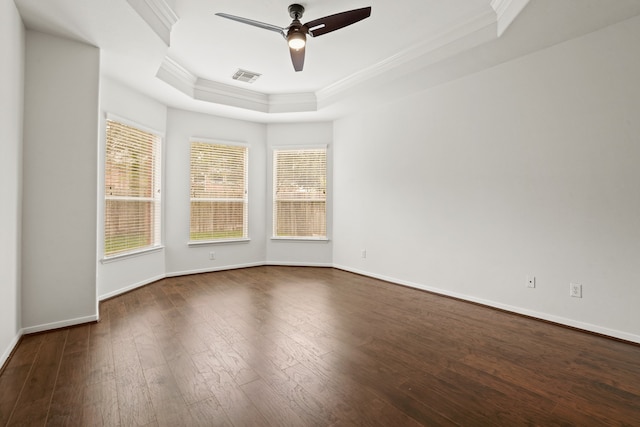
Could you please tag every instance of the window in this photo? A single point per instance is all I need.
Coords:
(218, 192)
(132, 189)
(300, 193)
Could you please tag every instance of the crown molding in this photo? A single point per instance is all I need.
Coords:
(506, 12)
(220, 93)
(164, 12)
(483, 26)
(158, 15)
(180, 78)
(177, 76)
(293, 102)
(457, 38)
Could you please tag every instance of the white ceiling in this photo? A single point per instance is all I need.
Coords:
(214, 48)
(180, 53)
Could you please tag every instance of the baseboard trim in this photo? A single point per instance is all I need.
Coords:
(60, 324)
(130, 288)
(298, 264)
(137, 285)
(587, 327)
(9, 351)
(208, 270)
(214, 269)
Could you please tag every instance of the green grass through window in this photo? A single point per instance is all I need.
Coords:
(215, 235)
(125, 242)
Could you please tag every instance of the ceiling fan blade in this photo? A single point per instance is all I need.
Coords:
(325, 25)
(297, 57)
(254, 23)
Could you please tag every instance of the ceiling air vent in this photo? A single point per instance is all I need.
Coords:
(245, 76)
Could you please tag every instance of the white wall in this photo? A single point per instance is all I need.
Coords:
(528, 168)
(60, 181)
(289, 252)
(11, 105)
(119, 275)
(184, 259)
(178, 257)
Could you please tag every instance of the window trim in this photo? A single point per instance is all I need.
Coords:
(131, 254)
(196, 243)
(217, 141)
(158, 188)
(299, 239)
(132, 123)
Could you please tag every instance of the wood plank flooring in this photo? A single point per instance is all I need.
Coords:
(289, 346)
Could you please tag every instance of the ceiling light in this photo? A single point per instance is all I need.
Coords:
(296, 40)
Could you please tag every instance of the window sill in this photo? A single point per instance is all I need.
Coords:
(301, 239)
(119, 257)
(217, 242)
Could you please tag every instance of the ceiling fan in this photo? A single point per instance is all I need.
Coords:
(296, 33)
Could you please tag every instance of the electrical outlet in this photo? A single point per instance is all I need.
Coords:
(212, 255)
(363, 253)
(575, 290)
(531, 282)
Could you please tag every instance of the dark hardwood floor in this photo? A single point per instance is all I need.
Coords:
(288, 346)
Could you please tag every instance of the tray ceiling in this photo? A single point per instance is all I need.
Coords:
(180, 53)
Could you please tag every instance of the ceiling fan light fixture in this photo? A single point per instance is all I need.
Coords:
(296, 39)
(296, 32)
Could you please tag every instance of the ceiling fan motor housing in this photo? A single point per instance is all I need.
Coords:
(296, 11)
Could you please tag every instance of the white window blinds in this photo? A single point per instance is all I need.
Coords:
(300, 193)
(218, 192)
(132, 189)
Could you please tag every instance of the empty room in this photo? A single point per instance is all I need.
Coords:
(325, 213)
